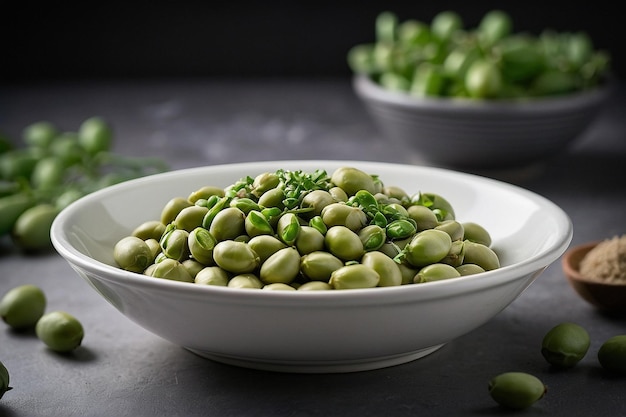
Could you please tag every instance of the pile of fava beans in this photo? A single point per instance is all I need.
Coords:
(445, 58)
(294, 230)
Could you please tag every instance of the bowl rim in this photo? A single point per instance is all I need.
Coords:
(381, 295)
(367, 89)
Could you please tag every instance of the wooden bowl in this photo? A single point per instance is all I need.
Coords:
(607, 296)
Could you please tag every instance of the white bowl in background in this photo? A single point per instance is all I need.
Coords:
(486, 134)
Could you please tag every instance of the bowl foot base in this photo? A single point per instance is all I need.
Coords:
(318, 367)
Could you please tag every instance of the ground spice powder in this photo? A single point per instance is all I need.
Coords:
(607, 261)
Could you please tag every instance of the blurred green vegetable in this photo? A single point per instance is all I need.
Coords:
(491, 61)
(52, 169)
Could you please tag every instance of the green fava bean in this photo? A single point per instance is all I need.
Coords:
(212, 275)
(435, 272)
(318, 266)
(565, 345)
(459, 60)
(469, 269)
(155, 247)
(228, 224)
(354, 276)
(201, 244)
(235, 257)
(265, 246)
(428, 80)
(204, 193)
(400, 229)
(278, 286)
(316, 200)
(152, 229)
(423, 217)
(338, 194)
(67, 197)
(554, 82)
(17, 164)
(445, 24)
(265, 182)
(351, 180)
(453, 228)
(394, 248)
(132, 254)
(344, 243)
(483, 79)
(315, 286)
(60, 331)
(22, 306)
(246, 205)
(521, 58)
(407, 272)
(273, 198)
(340, 214)
(456, 255)
(31, 231)
(373, 237)
(48, 173)
(245, 281)
(283, 266)
(95, 135)
(66, 147)
(495, 25)
(386, 26)
(172, 208)
(612, 355)
(4, 380)
(190, 217)
(516, 390)
(439, 205)
(394, 82)
(175, 244)
(309, 240)
(476, 233)
(413, 32)
(318, 224)
(387, 268)
(214, 206)
(360, 59)
(485, 257)
(193, 267)
(288, 228)
(428, 247)
(171, 269)
(40, 134)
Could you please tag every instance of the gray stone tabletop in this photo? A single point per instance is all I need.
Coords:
(123, 370)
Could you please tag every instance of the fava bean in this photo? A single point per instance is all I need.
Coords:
(60, 331)
(354, 276)
(516, 390)
(132, 254)
(22, 306)
(565, 345)
(612, 354)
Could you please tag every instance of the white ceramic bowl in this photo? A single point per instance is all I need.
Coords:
(466, 133)
(314, 331)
